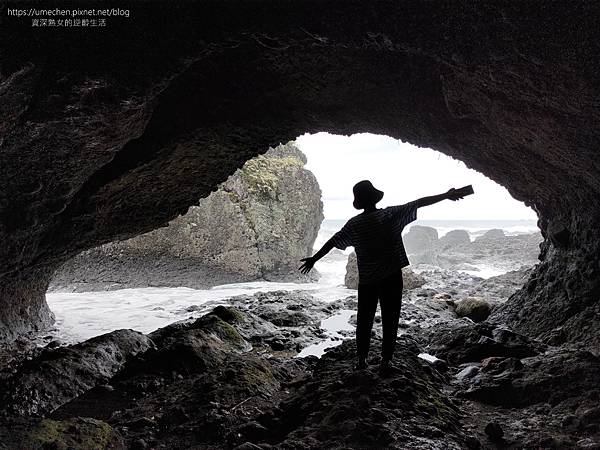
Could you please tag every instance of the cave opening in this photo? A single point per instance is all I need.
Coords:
(204, 257)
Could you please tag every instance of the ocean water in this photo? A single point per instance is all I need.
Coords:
(80, 316)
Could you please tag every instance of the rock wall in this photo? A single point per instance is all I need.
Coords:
(101, 141)
(256, 225)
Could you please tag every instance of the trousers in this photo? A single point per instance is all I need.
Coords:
(389, 294)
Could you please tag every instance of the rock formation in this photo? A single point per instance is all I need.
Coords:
(411, 280)
(455, 250)
(257, 225)
(101, 141)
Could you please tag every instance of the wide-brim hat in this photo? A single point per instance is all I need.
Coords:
(365, 194)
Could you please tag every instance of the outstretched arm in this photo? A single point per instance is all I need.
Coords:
(308, 263)
(452, 194)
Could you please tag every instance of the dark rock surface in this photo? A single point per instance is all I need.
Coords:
(219, 382)
(465, 342)
(75, 433)
(202, 383)
(95, 148)
(57, 375)
(558, 303)
(257, 225)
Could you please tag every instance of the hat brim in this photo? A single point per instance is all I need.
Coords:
(373, 198)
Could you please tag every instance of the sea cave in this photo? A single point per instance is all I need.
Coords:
(113, 132)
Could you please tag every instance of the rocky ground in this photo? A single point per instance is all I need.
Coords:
(230, 379)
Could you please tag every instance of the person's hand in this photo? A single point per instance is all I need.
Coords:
(307, 264)
(454, 195)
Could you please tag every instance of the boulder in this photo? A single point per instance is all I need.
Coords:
(411, 280)
(494, 234)
(475, 308)
(454, 239)
(258, 224)
(467, 342)
(58, 375)
(420, 239)
(351, 277)
(72, 433)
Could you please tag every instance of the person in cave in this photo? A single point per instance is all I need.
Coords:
(376, 237)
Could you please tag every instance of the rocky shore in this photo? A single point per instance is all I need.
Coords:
(232, 379)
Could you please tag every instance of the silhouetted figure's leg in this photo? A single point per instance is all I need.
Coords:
(391, 302)
(367, 305)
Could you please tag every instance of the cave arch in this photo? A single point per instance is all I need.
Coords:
(101, 140)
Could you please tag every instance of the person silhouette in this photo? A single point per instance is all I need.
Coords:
(376, 235)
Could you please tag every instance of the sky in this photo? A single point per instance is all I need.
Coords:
(404, 172)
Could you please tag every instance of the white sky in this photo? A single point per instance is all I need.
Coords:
(404, 172)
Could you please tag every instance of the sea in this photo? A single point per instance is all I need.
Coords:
(83, 315)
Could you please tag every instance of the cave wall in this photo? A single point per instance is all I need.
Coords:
(109, 133)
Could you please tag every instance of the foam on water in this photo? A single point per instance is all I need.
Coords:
(80, 316)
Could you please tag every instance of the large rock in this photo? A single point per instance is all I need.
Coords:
(101, 141)
(57, 376)
(475, 308)
(258, 224)
(410, 279)
(454, 239)
(420, 240)
(464, 342)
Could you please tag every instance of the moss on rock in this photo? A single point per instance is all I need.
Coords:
(76, 433)
(263, 174)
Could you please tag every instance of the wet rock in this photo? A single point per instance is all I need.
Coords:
(248, 446)
(281, 320)
(139, 444)
(475, 308)
(553, 377)
(338, 406)
(467, 372)
(494, 431)
(73, 433)
(464, 342)
(588, 443)
(57, 376)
